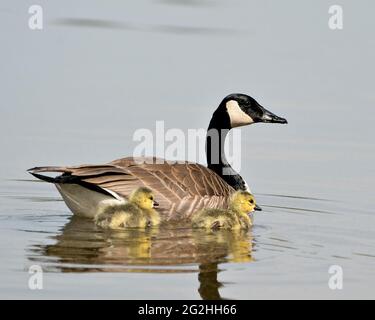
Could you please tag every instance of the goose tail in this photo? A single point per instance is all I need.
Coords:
(82, 198)
(36, 173)
(43, 178)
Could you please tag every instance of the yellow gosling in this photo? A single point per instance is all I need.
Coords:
(235, 217)
(138, 212)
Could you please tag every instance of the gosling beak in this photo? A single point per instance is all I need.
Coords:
(269, 117)
(156, 204)
(257, 208)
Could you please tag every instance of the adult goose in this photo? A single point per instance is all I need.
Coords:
(180, 188)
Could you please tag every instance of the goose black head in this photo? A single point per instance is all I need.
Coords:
(242, 110)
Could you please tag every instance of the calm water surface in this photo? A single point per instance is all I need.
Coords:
(76, 91)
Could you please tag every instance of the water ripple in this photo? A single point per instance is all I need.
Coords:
(121, 25)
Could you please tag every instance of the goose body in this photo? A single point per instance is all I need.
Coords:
(180, 188)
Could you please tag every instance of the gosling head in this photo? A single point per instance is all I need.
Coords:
(243, 202)
(143, 198)
(241, 110)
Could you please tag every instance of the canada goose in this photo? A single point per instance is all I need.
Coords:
(180, 188)
(138, 212)
(235, 217)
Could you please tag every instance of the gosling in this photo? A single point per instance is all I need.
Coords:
(138, 212)
(235, 217)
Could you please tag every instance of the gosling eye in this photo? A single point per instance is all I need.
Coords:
(251, 201)
(151, 198)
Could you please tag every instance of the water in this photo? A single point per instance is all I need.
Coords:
(76, 91)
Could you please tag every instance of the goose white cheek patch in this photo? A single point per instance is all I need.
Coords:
(237, 117)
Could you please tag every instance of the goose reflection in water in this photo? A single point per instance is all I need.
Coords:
(84, 247)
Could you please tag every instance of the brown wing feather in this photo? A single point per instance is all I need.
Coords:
(191, 186)
(191, 178)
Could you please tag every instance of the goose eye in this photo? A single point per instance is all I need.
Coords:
(252, 201)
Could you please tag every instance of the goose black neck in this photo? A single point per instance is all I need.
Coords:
(216, 160)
